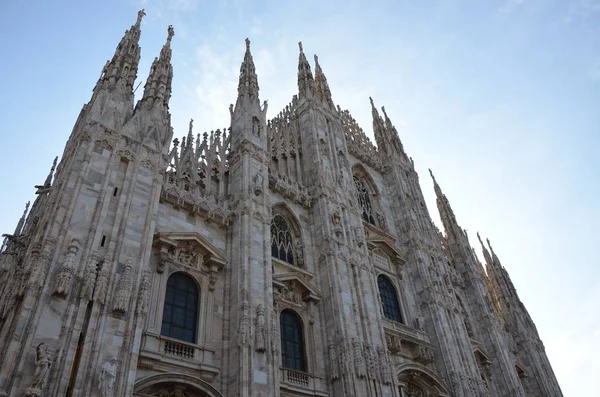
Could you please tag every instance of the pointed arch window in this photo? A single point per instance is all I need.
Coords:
(282, 246)
(180, 314)
(389, 299)
(292, 342)
(364, 200)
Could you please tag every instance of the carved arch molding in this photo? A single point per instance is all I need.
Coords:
(416, 380)
(173, 385)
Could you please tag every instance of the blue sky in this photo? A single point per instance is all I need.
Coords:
(499, 98)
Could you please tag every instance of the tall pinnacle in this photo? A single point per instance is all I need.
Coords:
(322, 91)
(248, 84)
(444, 208)
(158, 85)
(306, 83)
(123, 67)
(486, 253)
(392, 133)
(378, 128)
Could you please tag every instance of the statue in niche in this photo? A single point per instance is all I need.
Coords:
(43, 362)
(255, 126)
(299, 255)
(107, 377)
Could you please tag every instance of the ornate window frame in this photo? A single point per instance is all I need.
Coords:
(293, 292)
(366, 191)
(192, 255)
(299, 261)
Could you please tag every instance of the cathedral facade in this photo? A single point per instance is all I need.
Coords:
(283, 256)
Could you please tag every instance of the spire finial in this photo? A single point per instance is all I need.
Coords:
(170, 33)
(372, 103)
(316, 60)
(247, 44)
(141, 13)
(300, 46)
(191, 126)
(434, 181)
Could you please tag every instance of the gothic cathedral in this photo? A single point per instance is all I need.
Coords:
(283, 256)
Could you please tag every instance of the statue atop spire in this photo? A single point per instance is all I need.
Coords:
(141, 14)
(170, 33)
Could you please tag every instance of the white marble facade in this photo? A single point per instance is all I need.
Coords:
(284, 256)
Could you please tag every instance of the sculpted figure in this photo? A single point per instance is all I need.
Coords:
(107, 377)
(43, 361)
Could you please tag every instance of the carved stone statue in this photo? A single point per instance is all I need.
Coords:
(261, 329)
(108, 375)
(43, 361)
(299, 255)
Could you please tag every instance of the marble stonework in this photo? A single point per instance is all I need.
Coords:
(83, 277)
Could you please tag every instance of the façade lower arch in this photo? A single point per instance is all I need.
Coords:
(173, 384)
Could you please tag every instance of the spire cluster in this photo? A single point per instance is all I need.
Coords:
(248, 82)
(306, 82)
(386, 135)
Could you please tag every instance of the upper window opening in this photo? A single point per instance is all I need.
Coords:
(364, 200)
(292, 342)
(180, 314)
(282, 246)
(389, 299)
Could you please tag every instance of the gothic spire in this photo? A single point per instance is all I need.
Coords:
(486, 253)
(378, 128)
(19, 227)
(322, 91)
(248, 84)
(158, 85)
(306, 83)
(123, 67)
(444, 208)
(392, 133)
(41, 189)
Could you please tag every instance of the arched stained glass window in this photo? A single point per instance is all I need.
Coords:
(180, 314)
(389, 299)
(292, 343)
(282, 246)
(364, 200)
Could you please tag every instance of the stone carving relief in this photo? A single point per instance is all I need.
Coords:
(275, 330)
(359, 359)
(336, 222)
(394, 343)
(108, 376)
(123, 292)
(261, 329)
(244, 324)
(43, 362)
(299, 254)
(384, 366)
(333, 361)
(144, 296)
(102, 281)
(345, 357)
(257, 181)
(66, 274)
(371, 361)
(89, 278)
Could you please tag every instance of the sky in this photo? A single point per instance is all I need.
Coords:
(499, 98)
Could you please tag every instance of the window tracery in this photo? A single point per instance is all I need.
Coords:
(364, 200)
(282, 245)
(389, 299)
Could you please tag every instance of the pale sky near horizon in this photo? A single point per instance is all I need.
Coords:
(499, 98)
